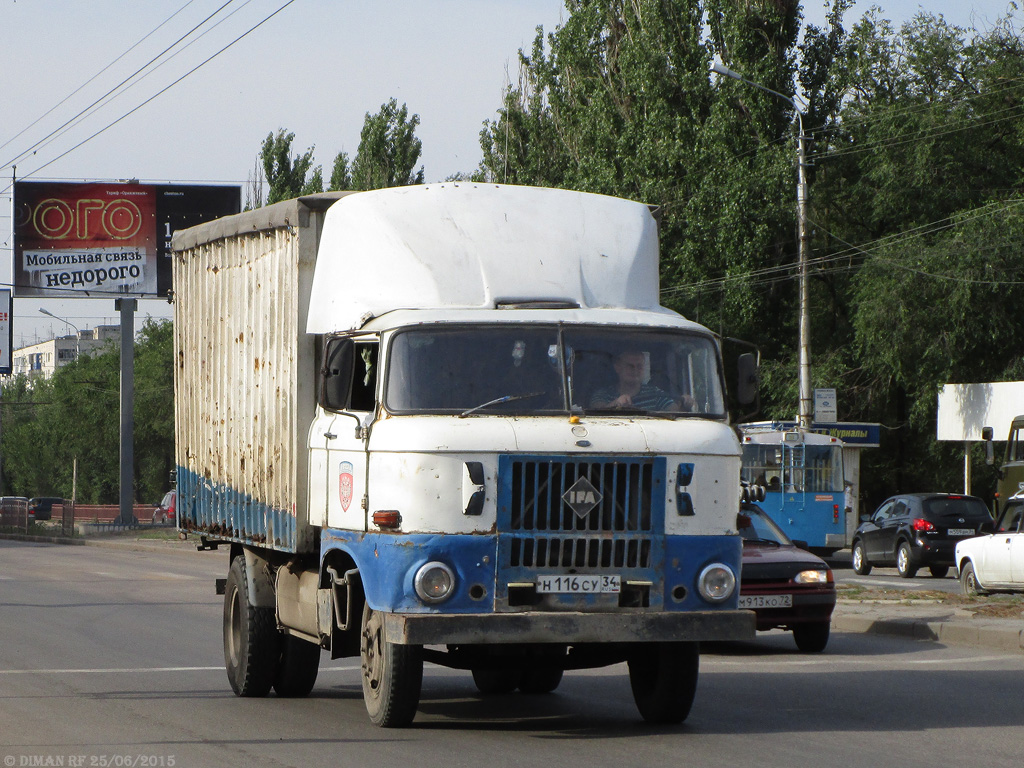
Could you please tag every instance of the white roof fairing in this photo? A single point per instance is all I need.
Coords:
(456, 245)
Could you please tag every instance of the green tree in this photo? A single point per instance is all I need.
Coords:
(288, 175)
(50, 423)
(341, 174)
(388, 150)
(618, 100)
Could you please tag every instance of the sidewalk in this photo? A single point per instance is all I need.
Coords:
(929, 620)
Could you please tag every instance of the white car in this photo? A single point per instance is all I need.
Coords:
(995, 562)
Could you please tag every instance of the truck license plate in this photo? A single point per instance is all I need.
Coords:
(766, 601)
(961, 531)
(576, 584)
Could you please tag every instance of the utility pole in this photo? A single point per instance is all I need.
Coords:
(803, 236)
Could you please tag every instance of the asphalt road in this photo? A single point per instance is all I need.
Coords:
(113, 658)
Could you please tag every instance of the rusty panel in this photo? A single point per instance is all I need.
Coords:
(244, 380)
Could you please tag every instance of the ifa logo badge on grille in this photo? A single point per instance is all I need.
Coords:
(582, 497)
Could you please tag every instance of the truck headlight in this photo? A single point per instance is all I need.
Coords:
(716, 583)
(434, 582)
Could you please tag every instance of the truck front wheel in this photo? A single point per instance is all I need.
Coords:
(392, 674)
(251, 640)
(663, 677)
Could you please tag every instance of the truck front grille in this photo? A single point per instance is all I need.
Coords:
(615, 530)
(591, 553)
(627, 489)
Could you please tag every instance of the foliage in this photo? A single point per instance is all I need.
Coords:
(916, 165)
(48, 423)
(387, 156)
(388, 149)
(288, 176)
(618, 101)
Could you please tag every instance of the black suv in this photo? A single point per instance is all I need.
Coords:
(913, 530)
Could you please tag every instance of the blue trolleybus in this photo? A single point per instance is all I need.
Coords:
(802, 474)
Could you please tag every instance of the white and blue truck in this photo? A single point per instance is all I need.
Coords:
(451, 424)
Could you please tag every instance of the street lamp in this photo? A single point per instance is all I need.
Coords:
(78, 333)
(806, 398)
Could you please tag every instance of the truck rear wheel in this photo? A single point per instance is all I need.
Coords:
(251, 640)
(496, 681)
(298, 667)
(663, 677)
(540, 680)
(392, 674)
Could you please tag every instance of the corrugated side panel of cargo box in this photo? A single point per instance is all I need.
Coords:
(244, 376)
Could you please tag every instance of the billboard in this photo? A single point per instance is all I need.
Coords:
(6, 331)
(100, 239)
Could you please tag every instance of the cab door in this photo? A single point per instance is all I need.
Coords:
(350, 373)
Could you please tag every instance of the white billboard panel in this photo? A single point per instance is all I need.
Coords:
(965, 408)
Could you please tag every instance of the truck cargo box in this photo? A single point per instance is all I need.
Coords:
(243, 363)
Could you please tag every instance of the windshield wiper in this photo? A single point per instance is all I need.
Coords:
(499, 401)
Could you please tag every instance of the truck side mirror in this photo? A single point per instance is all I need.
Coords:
(336, 374)
(986, 435)
(747, 378)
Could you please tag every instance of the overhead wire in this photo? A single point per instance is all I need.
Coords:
(124, 87)
(104, 69)
(779, 273)
(163, 90)
(130, 77)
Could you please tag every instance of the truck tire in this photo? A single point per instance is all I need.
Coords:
(392, 674)
(663, 677)
(496, 681)
(251, 640)
(540, 680)
(298, 667)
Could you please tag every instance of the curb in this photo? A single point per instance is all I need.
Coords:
(134, 545)
(973, 632)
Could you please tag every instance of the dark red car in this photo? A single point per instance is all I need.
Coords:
(786, 587)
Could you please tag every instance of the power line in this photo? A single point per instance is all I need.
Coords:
(130, 77)
(772, 275)
(108, 66)
(160, 92)
(119, 90)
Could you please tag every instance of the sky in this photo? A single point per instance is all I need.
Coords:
(313, 67)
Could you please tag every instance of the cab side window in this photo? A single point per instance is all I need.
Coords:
(364, 377)
(349, 375)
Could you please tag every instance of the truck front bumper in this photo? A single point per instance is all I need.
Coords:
(568, 628)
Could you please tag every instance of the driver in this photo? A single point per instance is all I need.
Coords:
(632, 391)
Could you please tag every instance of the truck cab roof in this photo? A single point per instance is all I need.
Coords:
(481, 246)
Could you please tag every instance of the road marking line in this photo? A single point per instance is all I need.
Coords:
(134, 670)
(832, 661)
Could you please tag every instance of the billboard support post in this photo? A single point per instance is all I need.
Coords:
(127, 309)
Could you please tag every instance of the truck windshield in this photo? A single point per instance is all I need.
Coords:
(544, 369)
